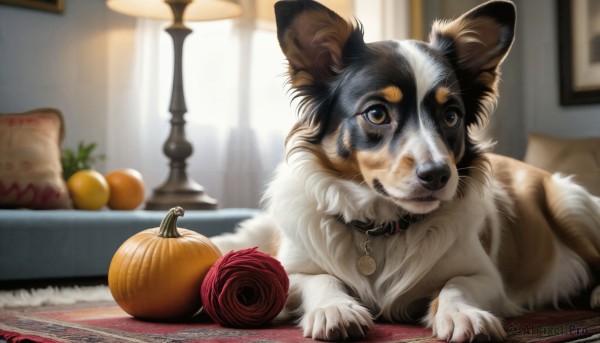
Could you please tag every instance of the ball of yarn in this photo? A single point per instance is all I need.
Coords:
(244, 288)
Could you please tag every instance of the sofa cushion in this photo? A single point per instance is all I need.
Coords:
(577, 157)
(30, 164)
(61, 244)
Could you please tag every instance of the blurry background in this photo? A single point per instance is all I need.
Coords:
(111, 77)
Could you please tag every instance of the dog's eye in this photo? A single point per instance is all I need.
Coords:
(377, 115)
(451, 118)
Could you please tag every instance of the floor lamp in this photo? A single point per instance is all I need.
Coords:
(178, 189)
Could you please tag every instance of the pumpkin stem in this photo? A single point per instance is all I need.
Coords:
(168, 226)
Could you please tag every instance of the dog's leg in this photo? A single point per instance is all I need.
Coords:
(329, 313)
(459, 315)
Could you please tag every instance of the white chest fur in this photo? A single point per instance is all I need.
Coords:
(411, 265)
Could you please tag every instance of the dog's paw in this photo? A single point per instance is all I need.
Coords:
(339, 322)
(467, 326)
(595, 298)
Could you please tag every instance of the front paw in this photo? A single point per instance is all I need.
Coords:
(337, 322)
(468, 325)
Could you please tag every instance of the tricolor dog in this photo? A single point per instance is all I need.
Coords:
(388, 208)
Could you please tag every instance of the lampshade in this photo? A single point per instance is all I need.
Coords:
(197, 10)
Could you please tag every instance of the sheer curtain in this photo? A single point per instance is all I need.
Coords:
(239, 107)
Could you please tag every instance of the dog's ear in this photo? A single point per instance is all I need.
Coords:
(480, 39)
(476, 44)
(313, 38)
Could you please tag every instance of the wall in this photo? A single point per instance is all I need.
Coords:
(61, 61)
(543, 112)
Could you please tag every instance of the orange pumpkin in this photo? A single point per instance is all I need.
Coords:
(157, 273)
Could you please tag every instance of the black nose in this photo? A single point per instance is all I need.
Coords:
(433, 175)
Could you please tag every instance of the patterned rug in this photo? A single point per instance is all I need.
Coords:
(105, 322)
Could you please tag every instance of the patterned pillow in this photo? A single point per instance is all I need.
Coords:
(30, 166)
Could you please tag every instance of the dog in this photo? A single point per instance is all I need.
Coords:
(388, 207)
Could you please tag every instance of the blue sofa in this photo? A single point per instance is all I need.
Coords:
(64, 244)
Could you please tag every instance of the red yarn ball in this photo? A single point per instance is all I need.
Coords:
(245, 288)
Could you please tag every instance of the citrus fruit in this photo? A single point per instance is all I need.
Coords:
(89, 190)
(126, 189)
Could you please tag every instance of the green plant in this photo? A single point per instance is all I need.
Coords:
(76, 160)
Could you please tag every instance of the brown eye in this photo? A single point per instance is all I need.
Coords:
(451, 118)
(377, 115)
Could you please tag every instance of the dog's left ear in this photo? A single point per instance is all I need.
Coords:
(476, 44)
(480, 39)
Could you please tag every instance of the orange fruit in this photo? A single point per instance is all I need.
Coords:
(89, 190)
(126, 189)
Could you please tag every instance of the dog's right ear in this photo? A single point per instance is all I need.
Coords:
(476, 44)
(313, 38)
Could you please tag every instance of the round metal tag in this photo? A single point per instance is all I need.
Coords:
(366, 265)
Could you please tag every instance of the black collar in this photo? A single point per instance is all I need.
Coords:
(381, 229)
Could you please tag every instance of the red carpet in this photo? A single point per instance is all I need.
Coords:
(106, 322)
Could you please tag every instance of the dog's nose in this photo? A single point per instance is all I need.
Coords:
(433, 175)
